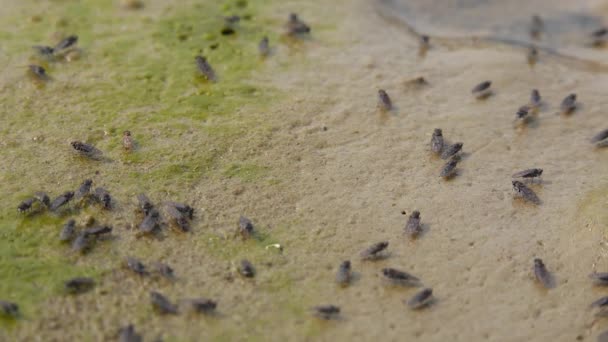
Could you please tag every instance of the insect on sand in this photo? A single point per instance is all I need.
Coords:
(482, 90)
(384, 101)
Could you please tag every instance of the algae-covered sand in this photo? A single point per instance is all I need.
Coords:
(295, 142)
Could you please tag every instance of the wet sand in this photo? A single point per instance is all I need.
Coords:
(340, 173)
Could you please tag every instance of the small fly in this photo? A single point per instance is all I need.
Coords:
(344, 274)
(482, 90)
(67, 42)
(437, 141)
(86, 150)
(245, 228)
(600, 136)
(398, 277)
(421, 299)
(79, 285)
(600, 278)
(103, 196)
(202, 305)
(127, 141)
(522, 113)
(384, 101)
(178, 218)
(186, 210)
(145, 205)
(326, 312)
(374, 251)
(526, 193)
(151, 222)
(542, 275)
(43, 50)
(136, 266)
(9, 309)
(84, 189)
(246, 269)
(61, 200)
(417, 82)
(423, 44)
(205, 68)
(165, 270)
(412, 227)
(449, 169)
(26, 205)
(68, 231)
(600, 303)
(568, 104)
(295, 26)
(451, 150)
(82, 243)
(529, 173)
(161, 304)
(38, 72)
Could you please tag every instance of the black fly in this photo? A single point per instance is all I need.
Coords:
(246, 269)
(437, 141)
(482, 90)
(68, 231)
(61, 200)
(344, 274)
(412, 227)
(205, 68)
(161, 304)
(398, 277)
(451, 150)
(79, 285)
(421, 299)
(374, 252)
(526, 193)
(295, 26)
(326, 311)
(541, 274)
(384, 101)
(529, 173)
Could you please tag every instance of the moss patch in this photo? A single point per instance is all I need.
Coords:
(136, 72)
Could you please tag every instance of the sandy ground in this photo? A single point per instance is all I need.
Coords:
(347, 172)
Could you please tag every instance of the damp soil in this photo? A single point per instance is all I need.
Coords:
(296, 143)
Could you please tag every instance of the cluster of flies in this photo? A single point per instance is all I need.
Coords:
(392, 276)
(180, 214)
(294, 27)
(66, 49)
(482, 91)
(546, 280)
(446, 151)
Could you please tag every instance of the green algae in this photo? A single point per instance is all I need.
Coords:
(142, 78)
(33, 264)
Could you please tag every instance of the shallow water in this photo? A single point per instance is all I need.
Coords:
(566, 29)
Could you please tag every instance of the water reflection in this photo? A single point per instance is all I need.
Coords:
(565, 25)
